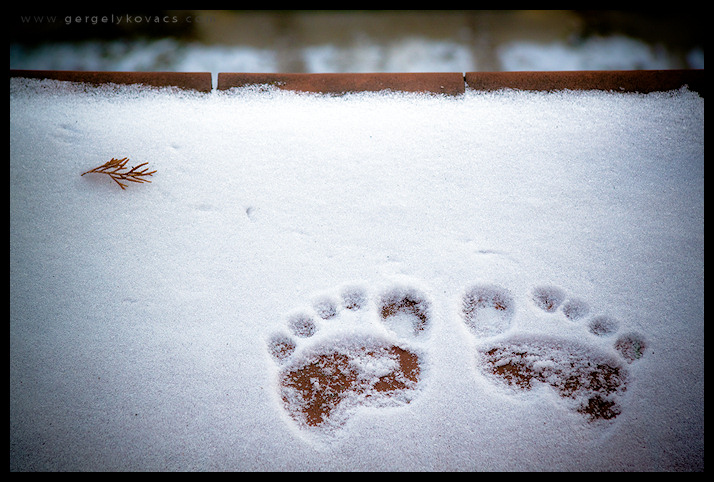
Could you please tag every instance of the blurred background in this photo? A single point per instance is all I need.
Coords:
(317, 41)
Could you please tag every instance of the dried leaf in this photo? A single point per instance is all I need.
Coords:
(115, 168)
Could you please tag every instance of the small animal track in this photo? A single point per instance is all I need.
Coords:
(345, 352)
(588, 379)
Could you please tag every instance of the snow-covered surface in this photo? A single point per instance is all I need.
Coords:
(141, 320)
(616, 52)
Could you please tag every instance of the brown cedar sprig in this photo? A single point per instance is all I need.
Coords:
(116, 170)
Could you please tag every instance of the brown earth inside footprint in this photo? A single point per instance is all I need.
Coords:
(597, 381)
(324, 382)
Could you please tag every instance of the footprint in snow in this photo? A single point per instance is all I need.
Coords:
(590, 380)
(347, 352)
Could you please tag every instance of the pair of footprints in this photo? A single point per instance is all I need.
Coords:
(337, 358)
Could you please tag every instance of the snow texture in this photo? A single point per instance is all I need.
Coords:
(539, 254)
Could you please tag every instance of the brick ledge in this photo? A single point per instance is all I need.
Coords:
(200, 81)
(451, 83)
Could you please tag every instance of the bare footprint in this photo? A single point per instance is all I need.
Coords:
(589, 380)
(345, 353)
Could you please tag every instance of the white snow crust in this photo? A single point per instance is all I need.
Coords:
(140, 319)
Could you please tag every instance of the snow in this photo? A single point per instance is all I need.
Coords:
(616, 52)
(143, 321)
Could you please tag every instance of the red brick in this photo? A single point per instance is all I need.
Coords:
(616, 80)
(441, 83)
(200, 81)
(452, 83)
